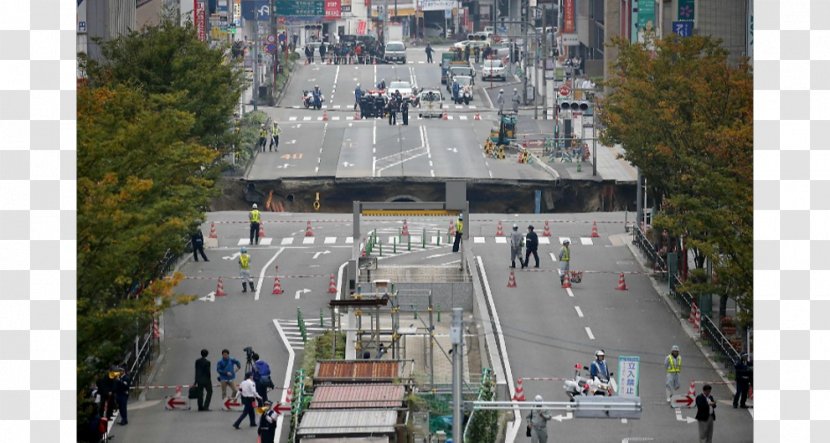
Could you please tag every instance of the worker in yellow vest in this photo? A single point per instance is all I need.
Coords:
(245, 270)
(254, 218)
(673, 363)
(459, 231)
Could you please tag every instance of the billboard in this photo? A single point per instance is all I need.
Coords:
(200, 18)
(306, 8)
(332, 9)
(569, 17)
(437, 5)
(345, 5)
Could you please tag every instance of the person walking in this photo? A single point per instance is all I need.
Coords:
(267, 424)
(429, 52)
(202, 382)
(405, 112)
(247, 391)
(245, 270)
(275, 137)
(262, 137)
(564, 260)
(673, 363)
(197, 240)
(516, 243)
(743, 379)
(392, 109)
(254, 218)
(459, 231)
(262, 376)
(516, 100)
(705, 414)
(358, 94)
(500, 101)
(532, 245)
(121, 389)
(537, 423)
(227, 367)
(477, 53)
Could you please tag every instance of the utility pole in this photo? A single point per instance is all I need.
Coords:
(524, 41)
(255, 43)
(457, 340)
(545, 50)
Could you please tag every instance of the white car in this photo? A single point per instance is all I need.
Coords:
(404, 87)
(431, 103)
(433, 30)
(493, 68)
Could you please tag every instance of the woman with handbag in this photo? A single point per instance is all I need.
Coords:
(537, 423)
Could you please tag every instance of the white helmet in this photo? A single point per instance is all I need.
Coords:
(515, 226)
(600, 353)
(243, 250)
(254, 206)
(538, 398)
(675, 348)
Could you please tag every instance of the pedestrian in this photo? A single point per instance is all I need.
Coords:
(467, 53)
(262, 376)
(358, 94)
(500, 101)
(247, 391)
(459, 231)
(516, 100)
(105, 395)
(477, 53)
(532, 244)
(743, 379)
(516, 242)
(197, 240)
(275, 136)
(405, 112)
(245, 269)
(537, 423)
(705, 414)
(391, 108)
(262, 137)
(267, 424)
(202, 382)
(673, 363)
(254, 218)
(429, 52)
(227, 367)
(564, 260)
(121, 389)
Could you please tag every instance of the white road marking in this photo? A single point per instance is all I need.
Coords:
(440, 255)
(552, 256)
(478, 239)
(289, 370)
(462, 117)
(570, 292)
(544, 240)
(308, 240)
(287, 241)
(374, 162)
(586, 241)
(292, 119)
(449, 117)
(459, 107)
(335, 118)
(262, 273)
(501, 240)
(336, 107)
(349, 117)
(590, 334)
(301, 291)
(319, 119)
(472, 106)
(266, 241)
(578, 311)
(329, 240)
(307, 118)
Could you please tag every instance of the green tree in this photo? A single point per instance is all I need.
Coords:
(685, 118)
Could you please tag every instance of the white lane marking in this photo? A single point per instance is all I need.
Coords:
(586, 241)
(462, 117)
(336, 107)
(292, 119)
(552, 256)
(478, 239)
(308, 240)
(374, 163)
(319, 119)
(349, 240)
(289, 369)
(449, 117)
(329, 240)
(562, 239)
(590, 334)
(349, 117)
(570, 292)
(287, 241)
(472, 106)
(501, 240)
(440, 255)
(324, 106)
(307, 118)
(429, 152)
(262, 273)
(578, 311)
(335, 118)
(459, 107)
(544, 241)
(374, 77)
(265, 241)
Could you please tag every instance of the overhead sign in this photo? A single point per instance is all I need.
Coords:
(629, 376)
(345, 5)
(256, 10)
(237, 13)
(332, 9)
(307, 8)
(683, 29)
(437, 5)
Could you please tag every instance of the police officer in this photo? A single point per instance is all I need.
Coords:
(532, 245)
(245, 269)
(405, 112)
(267, 423)
(564, 260)
(197, 240)
(743, 378)
(254, 218)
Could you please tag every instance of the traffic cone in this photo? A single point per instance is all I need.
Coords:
(405, 229)
(262, 230)
(325, 116)
(220, 288)
(594, 232)
(566, 283)
(357, 114)
(332, 285)
(277, 285)
(547, 230)
(477, 116)
(212, 231)
(499, 230)
(451, 230)
(520, 391)
(621, 283)
(691, 392)
(445, 116)
(511, 282)
(308, 231)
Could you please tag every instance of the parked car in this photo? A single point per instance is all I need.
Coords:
(404, 87)
(395, 51)
(430, 103)
(493, 68)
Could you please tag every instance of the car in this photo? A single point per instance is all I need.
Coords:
(493, 68)
(502, 49)
(404, 87)
(395, 51)
(462, 70)
(433, 30)
(430, 103)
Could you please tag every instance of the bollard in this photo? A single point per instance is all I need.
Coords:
(438, 238)
(380, 249)
(394, 245)
(438, 311)
(412, 306)
(408, 242)
(322, 323)
(424, 239)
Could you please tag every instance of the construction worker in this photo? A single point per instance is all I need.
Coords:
(500, 101)
(516, 242)
(263, 134)
(254, 218)
(516, 100)
(564, 260)
(245, 270)
(537, 423)
(673, 364)
(275, 136)
(459, 231)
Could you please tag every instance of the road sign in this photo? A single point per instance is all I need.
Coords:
(271, 48)
(682, 401)
(172, 403)
(564, 90)
(629, 375)
(683, 29)
(271, 38)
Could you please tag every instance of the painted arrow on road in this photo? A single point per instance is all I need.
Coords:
(210, 297)
(317, 254)
(301, 291)
(280, 408)
(291, 142)
(561, 417)
(682, 400)
(680, 417)
(230, 404)
(174, 403)
(231, 257)
(283, 166)
(347, 164)
(454, 150)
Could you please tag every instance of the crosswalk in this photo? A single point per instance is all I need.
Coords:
(335, 118)
(291, 329)
(338, 107)
(400, 240)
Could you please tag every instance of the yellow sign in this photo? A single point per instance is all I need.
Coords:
(409, 212)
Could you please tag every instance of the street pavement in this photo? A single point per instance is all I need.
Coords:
(545, 333)
(342, 147)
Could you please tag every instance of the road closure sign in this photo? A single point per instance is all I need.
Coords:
(629, 375)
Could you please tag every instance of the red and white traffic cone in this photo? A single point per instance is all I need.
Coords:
(261, 230)
(691, 392)
(325, 116)
(520, 391)
(511, 282)
(220, 288)
(477, 116)
(156, 333)
(621, 283)
(566, 283)
(357, 115)
(451, 230)
(212, 231)
(405, 229)
(594, 233)
(445, 116)
(547, 230)
(332, 285)
(308, 231)
(277, 285)
(499, 229)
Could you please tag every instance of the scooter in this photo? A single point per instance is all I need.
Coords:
(306, 99)
(587, 386)
(466, 95)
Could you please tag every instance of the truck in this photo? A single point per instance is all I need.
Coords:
(449, 59)
(395, 33)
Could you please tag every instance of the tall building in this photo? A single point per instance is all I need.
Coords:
(104, 19)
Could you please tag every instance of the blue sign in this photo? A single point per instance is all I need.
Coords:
(683, 29)
(256, 10)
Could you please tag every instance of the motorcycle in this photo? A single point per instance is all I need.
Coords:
(306, 99)
(465, 95)
(312, 100)
(581, 385)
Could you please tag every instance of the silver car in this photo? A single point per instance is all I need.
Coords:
(395, 51)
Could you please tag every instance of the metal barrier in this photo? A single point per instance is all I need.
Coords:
(137, 361)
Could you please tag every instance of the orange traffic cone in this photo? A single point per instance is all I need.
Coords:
(405, 229)
(621, 283)
(451, 230)
(332, 285)
(220, 288)
(262, 230)
(499, 229)
(547, 229)
(477, 116)
(308, 231)
(445, 116)
(511, 282)
(594, 232)
(566, 283)
(277, 287)
(357, 115)
(212, 231)
(520, 391)
(325, 116)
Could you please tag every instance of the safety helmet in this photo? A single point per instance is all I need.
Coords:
(515, 226)
(675, 348)
(501, 90)
(600, 353)
(539, 398)
(461, 216)
(515, 90)
(316, 86)
(566, 242)
(243, 250)
(254, 206)
(358, 85)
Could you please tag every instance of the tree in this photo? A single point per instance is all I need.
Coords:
(685, 118)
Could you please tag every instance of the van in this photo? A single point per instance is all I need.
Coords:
(395, 51)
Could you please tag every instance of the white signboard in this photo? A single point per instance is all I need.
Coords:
(438, 5)
(82, 17)
(629, 376)
(570, 40)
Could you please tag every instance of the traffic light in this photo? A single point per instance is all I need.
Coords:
(578, 106)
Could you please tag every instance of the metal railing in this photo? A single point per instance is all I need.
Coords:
(136, 361)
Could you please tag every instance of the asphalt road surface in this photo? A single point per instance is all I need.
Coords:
(547, 329)
(342, 147)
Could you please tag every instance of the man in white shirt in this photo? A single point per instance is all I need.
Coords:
(247, 389)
